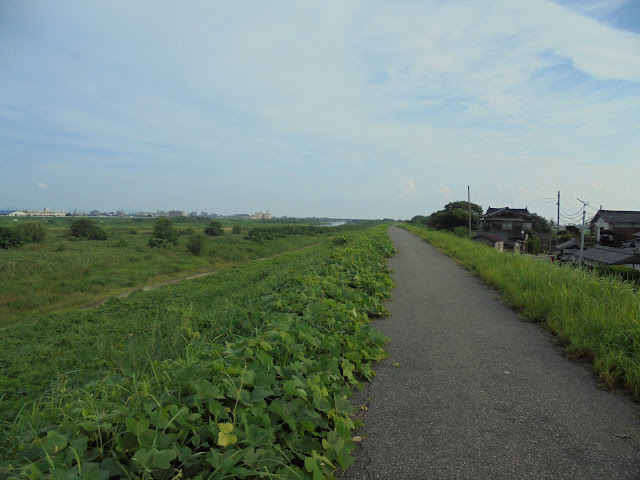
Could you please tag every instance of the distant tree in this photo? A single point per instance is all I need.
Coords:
(214, 229)
(32, 232)
(236, 229)
(419, 219)
(163, 229)
(9, 238)
(540, 224)
(455, 214)
(195, 243)
(85, 228)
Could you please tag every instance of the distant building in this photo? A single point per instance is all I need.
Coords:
(618, 224)
(261, 216)
(490, 240)
(513, 221)
(177, 213)
(38, 213)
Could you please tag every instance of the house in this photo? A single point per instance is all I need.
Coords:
(618, 226)
(567, 248)
(489, 239)
(603, 255)
(512, 221)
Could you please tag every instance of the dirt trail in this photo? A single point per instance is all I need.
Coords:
(173, 281)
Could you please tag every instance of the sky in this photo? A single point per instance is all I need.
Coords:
(342, 109)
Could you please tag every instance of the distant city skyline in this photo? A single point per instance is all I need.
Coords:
(359, 109)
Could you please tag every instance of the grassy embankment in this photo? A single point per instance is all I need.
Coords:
(242, 374)
(63, 272)
(595, 318)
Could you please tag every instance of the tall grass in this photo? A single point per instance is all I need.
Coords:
(595, 318)
(62, 273)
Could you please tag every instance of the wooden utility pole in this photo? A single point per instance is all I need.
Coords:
(469, 202)
(558, 232)
(584, 214)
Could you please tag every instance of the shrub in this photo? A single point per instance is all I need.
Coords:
(163, 229)
(9, 238)
(214, 229)
(157, 242)
(85, 228)
(186, 231)
(462, 232)
(236, 229)
(195, 244)
(628, 274)
(31, 232)
(534, 245)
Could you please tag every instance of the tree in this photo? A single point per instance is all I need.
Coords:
(9, 238)
(163, 229)
(195, 244)
(236, 229)
(455, 214)
(534, 245)
(32, 232)
(85, 228)
(540, 224)
(420, 219)
(214, 229)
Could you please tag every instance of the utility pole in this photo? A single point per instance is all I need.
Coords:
(558, 232)
(584, 213)
(469, 202)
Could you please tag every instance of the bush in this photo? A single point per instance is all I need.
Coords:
(214, 229)
(9, 238)
(163, 229)
(195, 244)
(236, 229)
(462, 232)
(186, 231)
(31, 232)
(628, 274)
(157, 242)
(534, 245)
(85, 228)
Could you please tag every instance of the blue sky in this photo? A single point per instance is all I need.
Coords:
(358, 109)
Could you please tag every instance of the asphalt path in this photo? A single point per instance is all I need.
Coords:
(472, 391)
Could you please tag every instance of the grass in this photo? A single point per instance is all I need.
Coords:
(62, 273)
(242, 374)
(595, 318)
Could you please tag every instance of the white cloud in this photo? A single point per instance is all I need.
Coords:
(41, 185)
(446, 191)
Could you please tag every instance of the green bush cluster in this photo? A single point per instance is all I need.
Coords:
(163, 233)
(272, 401)
(28, 232)
(87, 229)
(214, 229)
(621, 272)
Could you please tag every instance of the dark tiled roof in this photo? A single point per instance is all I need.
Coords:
(489, 236)
(506, 210)
(618, 216)
(610, 255)
(568, 244)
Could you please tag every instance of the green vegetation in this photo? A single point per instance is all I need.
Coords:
(85, 228)
(163, 233)
(195, 243)
(454, 214)
(595, 318)
(214, 229)
(621, 272)
(242, 374)
(27, 232)
(63, 271)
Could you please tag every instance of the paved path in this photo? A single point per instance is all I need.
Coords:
(479, 393)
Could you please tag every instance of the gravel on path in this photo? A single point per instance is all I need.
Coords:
(471, 391)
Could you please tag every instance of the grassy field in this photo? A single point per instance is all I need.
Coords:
(245, 373)
(63, 272)
(594, 317)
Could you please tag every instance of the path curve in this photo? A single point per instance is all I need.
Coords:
(471, 391)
